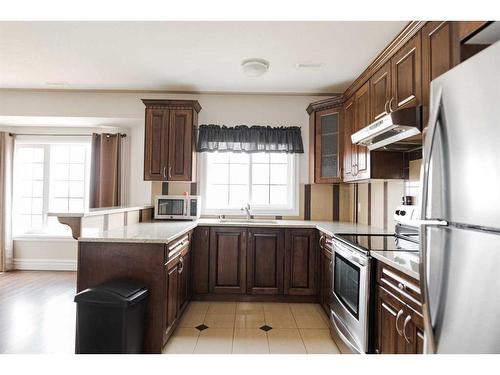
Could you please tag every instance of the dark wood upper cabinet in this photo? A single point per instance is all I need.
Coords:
(325, 140)
(380, 92)
(440, 53)
(349, 149)
(406, 75)
(362, 118)
(228, 260)
(265, 257)
(301, 259)
(169, 144)
(156, 144)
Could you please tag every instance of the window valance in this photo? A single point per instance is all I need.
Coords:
(251, 139)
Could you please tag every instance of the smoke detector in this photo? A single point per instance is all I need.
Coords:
(254, 67)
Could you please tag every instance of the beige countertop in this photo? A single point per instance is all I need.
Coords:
(165, 231)
(404, 261)
(99, 211)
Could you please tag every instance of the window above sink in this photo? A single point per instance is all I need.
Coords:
(267, 181)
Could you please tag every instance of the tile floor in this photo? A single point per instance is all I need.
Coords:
(252, 328)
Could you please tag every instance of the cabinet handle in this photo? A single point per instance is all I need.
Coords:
(164, 172)
(401, 286)
(169, 172)
(321, 242)
(181, 261)
(385, 107)
(407, 320)
(390, 105)
(400, 312)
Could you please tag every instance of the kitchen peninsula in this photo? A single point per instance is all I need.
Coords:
(210, 259)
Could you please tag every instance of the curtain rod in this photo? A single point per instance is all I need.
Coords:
(123, 135)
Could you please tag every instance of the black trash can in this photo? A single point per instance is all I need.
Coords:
(110, 318)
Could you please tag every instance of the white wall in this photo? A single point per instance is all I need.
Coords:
(119, 110)
(116, 109)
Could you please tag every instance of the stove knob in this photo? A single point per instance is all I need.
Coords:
(397, 212)
(403, 213)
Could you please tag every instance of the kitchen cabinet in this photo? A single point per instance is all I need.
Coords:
(265, 257)
(169, 140)
(200, 260)
(359, 163)
(362, 119)
(349, 148)
(380, 92)
(406, 73)
(398, 320)
(325, 143)
(171, 297)
(389, 311)
(440, 53)
(185, 280)
(177, 282)
(301, 260)
(227, 260)
(326, 273)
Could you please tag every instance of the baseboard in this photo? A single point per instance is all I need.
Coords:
(45, 264)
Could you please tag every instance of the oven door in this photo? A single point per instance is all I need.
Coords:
(349, 304)
(170, 207)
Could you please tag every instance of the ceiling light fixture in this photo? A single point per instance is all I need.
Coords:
(254, 67)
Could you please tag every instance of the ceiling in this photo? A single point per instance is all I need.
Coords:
(189, 56)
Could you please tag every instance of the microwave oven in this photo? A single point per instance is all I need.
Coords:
(177, 207)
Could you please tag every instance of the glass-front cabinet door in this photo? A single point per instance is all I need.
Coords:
(327, 146)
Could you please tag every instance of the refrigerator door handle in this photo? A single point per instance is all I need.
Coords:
(428, 145)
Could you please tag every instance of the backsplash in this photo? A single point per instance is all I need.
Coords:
(371, 203)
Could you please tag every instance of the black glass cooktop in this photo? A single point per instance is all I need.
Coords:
(380, 242)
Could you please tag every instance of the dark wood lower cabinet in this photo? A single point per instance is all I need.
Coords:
(200, 260)
(184, 280)
(265, 259)
(301, 259)
(398, 326)
(171, 297)
(227, 260)
(326, 280)
(388, 315)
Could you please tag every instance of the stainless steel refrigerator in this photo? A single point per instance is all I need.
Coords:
(460, 209)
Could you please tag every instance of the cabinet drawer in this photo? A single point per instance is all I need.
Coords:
(401, 285)
(179, 246)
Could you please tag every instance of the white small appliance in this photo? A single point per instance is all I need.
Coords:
(177, 207)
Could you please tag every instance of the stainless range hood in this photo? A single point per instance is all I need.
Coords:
(400, 130)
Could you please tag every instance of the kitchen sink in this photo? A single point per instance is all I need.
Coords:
(248, 221)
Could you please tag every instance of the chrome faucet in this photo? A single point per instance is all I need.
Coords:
(246, 208)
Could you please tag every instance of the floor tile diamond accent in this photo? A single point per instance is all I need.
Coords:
(266, 328)
(201, 327)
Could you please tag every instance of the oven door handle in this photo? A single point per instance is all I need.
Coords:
(349, 255)
(341, 334)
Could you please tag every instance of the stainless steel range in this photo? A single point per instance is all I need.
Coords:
(351, 267)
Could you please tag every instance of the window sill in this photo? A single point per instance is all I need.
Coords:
(256, 212)
(44, 237)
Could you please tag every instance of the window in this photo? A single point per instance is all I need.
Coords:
(50, 175)
(265, 180)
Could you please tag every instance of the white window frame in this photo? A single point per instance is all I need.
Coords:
(30, 141)
(291, 209)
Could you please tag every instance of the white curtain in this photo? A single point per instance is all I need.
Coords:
(6, 164)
